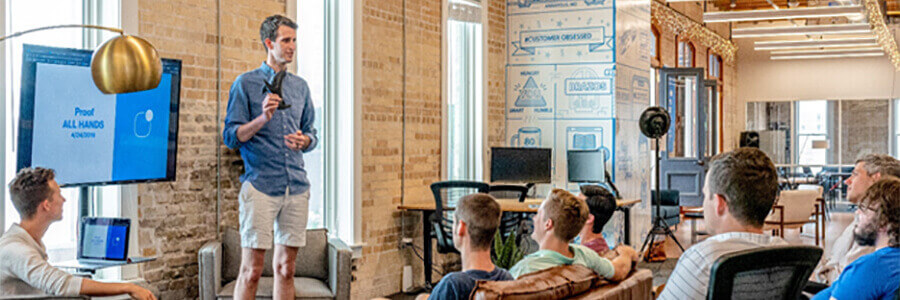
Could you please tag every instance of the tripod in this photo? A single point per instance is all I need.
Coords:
(660, 227)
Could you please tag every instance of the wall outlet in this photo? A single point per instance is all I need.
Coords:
(406, 241)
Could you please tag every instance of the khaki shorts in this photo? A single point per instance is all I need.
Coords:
(260, 212)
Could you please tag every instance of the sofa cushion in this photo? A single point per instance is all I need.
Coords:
(312, 259)
(554, 283)
(306, 288)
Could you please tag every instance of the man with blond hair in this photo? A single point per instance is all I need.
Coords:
(559, 219)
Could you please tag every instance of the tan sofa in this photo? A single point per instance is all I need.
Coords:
(567, 282)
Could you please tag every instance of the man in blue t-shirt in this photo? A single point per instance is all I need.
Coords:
(475, 223)
(876, 275)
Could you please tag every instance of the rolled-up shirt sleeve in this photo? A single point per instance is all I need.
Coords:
(30, 267)
(236, 115)
(307, 122)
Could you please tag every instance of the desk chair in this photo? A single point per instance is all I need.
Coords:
(446, 194)
(510, 221)
(763, 273)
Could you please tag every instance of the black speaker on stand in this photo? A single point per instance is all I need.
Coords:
(749, 139)
(654, 124)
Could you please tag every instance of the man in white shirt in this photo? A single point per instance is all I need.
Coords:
(869, 169)
(24, 269)
(741, 187)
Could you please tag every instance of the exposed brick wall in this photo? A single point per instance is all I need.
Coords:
(496, 73)
(401, 156)
(177, 218)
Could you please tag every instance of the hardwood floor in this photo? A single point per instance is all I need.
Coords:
(833, 228)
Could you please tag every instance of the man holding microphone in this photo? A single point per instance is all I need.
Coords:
(270, 119)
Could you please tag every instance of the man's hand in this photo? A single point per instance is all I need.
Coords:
(269, 105)
(140, 293)
(627, 251)
(297, 141)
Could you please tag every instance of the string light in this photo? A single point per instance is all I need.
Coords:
(666, 18)
(882, 33)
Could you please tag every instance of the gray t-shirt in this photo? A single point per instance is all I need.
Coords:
(24, 269)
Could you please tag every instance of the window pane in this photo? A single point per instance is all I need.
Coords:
(683, 107)
(311, 60)
(24, 15)
(464, 96)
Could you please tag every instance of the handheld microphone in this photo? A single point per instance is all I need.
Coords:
(274, 87)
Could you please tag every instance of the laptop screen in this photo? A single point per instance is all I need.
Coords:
(104, 238)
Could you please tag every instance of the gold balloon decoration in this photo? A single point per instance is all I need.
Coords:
(126, 64)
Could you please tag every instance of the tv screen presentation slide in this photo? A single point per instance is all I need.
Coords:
(89, 137)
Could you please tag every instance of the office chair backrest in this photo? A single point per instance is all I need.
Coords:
(763, 273)
(446, 195)
(669, 197)
(509, 192)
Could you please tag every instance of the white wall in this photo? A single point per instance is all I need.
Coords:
(762, 79)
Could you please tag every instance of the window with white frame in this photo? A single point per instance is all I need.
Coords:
(60, 239)
(326, 60)
(311, 67)
(812, 129)
(464, 96)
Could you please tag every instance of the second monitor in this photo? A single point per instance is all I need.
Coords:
(520, 165)
(586, 166)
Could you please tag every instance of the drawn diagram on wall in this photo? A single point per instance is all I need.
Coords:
(561, 79)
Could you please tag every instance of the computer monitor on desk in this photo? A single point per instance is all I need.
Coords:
(586, 166)
(520, 165)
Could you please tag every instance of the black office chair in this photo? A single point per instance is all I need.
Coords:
(670, 206)
(446, 194)
(764, 273)
(511, 220)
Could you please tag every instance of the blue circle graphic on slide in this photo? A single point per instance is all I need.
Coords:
(142, 123)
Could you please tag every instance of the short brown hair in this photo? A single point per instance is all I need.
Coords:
(269, 28)
(880, 163)
(884, 198)
(749, 182)
(567, 212)
(482, 216)
(29, 189)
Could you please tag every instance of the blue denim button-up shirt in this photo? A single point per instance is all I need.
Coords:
(268, 163)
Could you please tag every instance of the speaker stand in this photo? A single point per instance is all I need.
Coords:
(659, 224)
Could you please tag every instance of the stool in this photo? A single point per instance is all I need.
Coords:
(693, 215)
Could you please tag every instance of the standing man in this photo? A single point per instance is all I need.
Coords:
(272, 140)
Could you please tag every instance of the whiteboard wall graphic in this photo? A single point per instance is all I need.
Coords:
(560, 79)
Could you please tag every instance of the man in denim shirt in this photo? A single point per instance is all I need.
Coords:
(272, 141)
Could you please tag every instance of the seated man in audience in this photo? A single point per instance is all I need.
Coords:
(601, 205)
(476, 221)
(740, 190)
(875, 275)
(868, 170)
(24, 269)
(558, 220)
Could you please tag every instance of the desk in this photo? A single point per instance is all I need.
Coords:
(529, 206)
(90, 269)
